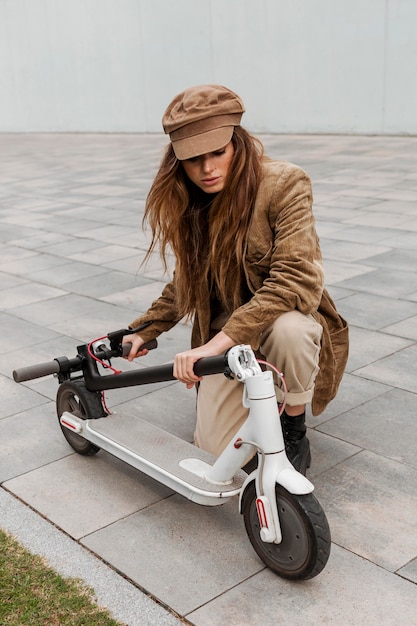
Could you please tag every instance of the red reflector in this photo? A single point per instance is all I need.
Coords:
(260, 507)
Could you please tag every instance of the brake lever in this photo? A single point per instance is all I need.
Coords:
(115, 337)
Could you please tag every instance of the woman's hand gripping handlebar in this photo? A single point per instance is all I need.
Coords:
(134, 347)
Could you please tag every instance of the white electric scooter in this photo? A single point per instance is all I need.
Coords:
(284, 521)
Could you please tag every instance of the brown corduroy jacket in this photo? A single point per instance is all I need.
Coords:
(284, 271)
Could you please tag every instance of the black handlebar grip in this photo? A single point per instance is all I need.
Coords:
(35, 371)
(210, 365)
(149, 345)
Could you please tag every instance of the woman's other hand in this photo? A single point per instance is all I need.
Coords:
(184, 361)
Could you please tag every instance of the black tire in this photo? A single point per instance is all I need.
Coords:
(73, 397)
(305, 546)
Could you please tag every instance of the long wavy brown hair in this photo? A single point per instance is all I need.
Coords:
(207, 233)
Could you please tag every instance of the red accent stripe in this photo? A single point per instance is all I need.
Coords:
(65, 423)
(261, 513)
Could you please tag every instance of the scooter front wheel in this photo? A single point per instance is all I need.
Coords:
(305, 546)
(74, 398)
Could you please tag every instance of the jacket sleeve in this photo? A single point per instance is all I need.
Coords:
(162, 313)
(291, 276)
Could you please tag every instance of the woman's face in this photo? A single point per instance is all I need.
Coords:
(209, 171)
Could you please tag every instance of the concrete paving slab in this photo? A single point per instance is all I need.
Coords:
(83, 494)
(70, 246)
(340, 272)
(105, 284)
(102, 320)
(48, 348)
(201, 552)
(348, 591)
(371, 491)
(362, 234)
(397, 369)
(105, 234)
(406, 328)
(395, 259)
(353, 392)
(367, 347)
(401, 239)
(32, 262)
(375, 312)
(409, 571)
(138, 298)
(28, 293)
(30, 439)
(411, 225)
(384, 425)
(32, 239)
(402, 207)
(7, 281)
(12, 253)
(339, 293)
(46, 386)
(126, 603)
(325, 213)
(105, 254)
(345, 202)
(382, 282)
(350, 251)
(327, 228)
(55, 309)
(66, 273)
(16, 399)
(378, 218)
(171, 407)
(328, 452)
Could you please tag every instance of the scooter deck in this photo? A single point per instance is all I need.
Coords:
(158, 454)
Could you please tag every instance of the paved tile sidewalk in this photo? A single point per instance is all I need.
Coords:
(71, 246)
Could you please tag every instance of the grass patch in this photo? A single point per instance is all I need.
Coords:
(32, 593)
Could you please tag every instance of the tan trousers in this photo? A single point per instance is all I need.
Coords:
(292, 344)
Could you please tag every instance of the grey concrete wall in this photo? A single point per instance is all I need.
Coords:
(307, 66)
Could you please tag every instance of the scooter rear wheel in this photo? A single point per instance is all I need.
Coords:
(74, 398)
(305, 546)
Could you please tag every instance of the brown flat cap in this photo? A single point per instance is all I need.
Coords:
(201, 119)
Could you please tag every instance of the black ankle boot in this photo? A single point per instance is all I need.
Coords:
(297, 446)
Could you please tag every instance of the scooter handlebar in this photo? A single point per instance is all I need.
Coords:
(203, 367)
(39, 370)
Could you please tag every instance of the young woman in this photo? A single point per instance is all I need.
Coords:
(248, 268)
